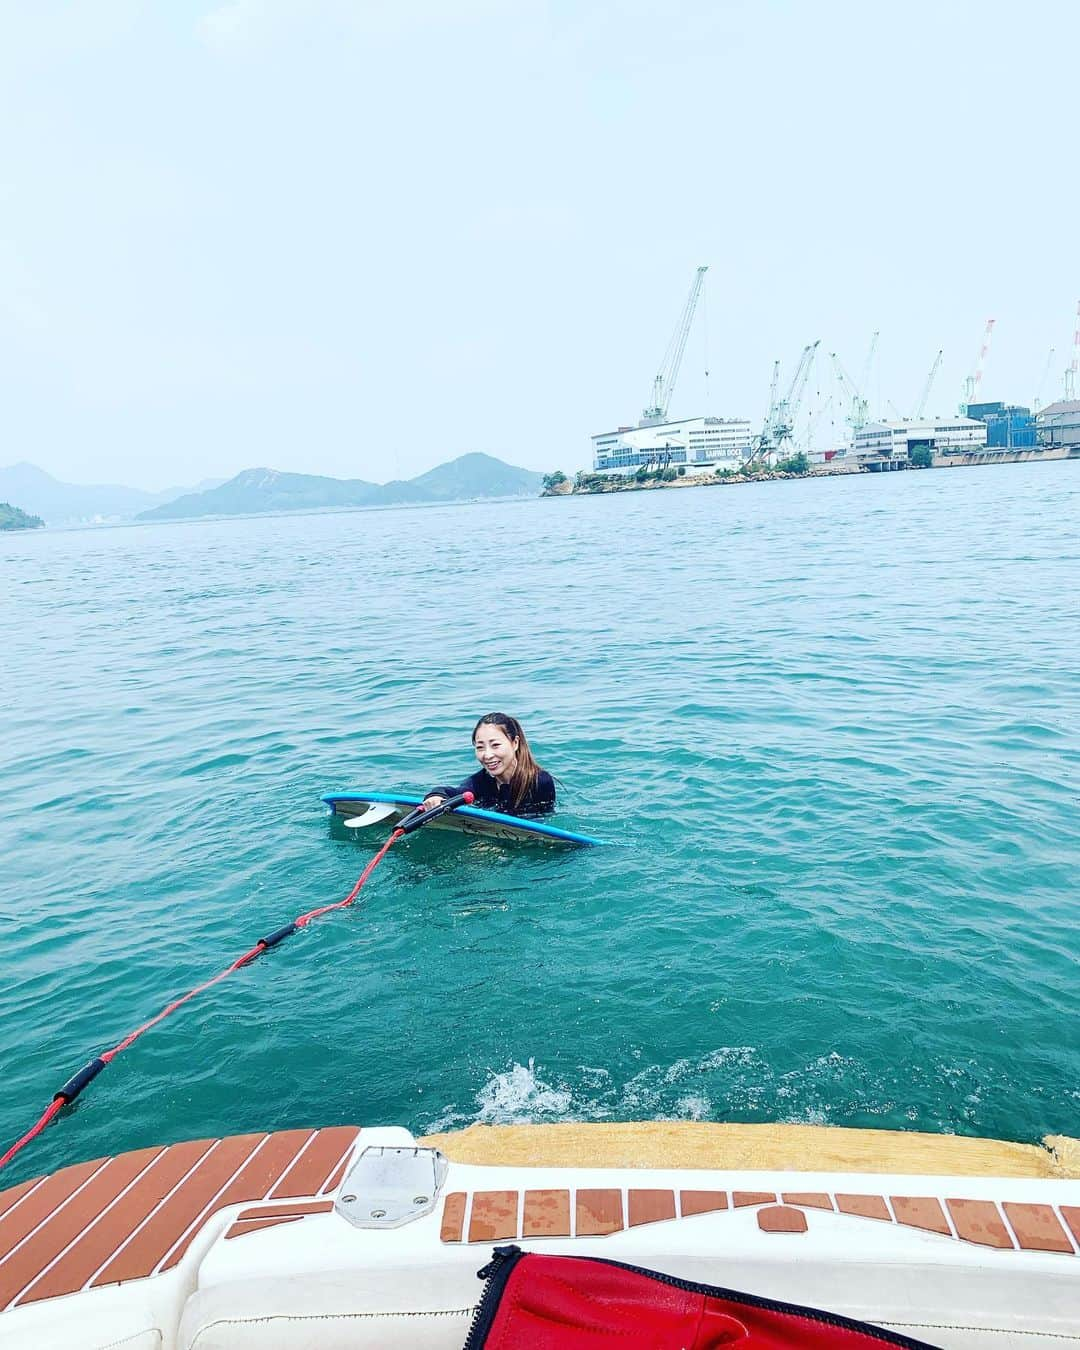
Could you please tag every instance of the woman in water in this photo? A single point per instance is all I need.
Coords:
(509, 779)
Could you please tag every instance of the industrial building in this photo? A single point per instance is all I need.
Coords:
(888, 445)
(1008, 427)
(981, 432)
(1058, 424)
(701, 444)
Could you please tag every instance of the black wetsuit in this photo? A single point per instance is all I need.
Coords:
(492, 795)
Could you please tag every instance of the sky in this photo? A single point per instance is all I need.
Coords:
(361, 237)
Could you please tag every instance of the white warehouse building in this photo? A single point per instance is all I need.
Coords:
(888, 444)
(698, 444)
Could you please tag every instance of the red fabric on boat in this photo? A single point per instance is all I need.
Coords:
(575, 1303)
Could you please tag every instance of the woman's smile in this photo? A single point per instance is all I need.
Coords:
(507, 776)
(496, 751)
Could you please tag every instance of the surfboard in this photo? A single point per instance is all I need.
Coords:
(364, 808)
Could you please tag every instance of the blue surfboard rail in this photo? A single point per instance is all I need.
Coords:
(407, 802)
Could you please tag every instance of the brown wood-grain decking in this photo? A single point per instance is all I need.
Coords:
(134, 1215)
(597, 1212)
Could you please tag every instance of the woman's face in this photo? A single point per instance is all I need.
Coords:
(495, 750)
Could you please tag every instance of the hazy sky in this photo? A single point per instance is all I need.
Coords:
(359, 238)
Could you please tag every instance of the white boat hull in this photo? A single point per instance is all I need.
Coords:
(961, 1262)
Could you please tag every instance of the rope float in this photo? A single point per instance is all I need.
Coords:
(86, 1075)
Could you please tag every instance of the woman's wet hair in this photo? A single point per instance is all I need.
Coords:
(527, 771)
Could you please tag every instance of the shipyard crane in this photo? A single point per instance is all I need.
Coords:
(1074, 366)
(919, 412)
(1036, 402)
(774, 385)
(971, 384)
(664, 383)
(780, 419)
(859, 412)
(814, 420)
(868, 366)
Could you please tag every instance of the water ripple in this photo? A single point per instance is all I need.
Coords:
(833, 733)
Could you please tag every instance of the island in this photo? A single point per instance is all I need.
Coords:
(11, 518)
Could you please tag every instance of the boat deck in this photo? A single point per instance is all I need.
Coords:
(135, 1215)
(144, 1250)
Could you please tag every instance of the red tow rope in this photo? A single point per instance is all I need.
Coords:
(74, 1086)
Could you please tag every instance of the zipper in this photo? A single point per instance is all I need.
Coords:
(505, 1259)
(497, 1271)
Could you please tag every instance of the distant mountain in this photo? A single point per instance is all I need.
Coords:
(11, 518)
(477, 475)
(78, 503)
(257, 490)
(266, 490)
(171, 494)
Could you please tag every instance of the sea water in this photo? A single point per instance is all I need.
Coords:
(831, 730)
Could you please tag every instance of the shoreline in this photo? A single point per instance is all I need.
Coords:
(588, 485)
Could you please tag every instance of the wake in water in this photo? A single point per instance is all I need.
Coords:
(513, 1097)
(733, 1083)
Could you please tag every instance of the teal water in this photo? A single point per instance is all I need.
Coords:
(832, 729)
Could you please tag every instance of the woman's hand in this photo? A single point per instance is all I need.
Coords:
(429, 802)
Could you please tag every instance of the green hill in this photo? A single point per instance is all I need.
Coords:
(266, 490)
(470, 477)
(477, 475)
(11, 518)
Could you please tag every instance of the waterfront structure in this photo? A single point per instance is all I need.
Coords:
(1058, 424)
(777, 435)
(886, 445)
(698, 444)
(1008, 427)
(693, 444)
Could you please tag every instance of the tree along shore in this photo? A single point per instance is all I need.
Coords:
(797, 466)
(11, 518)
